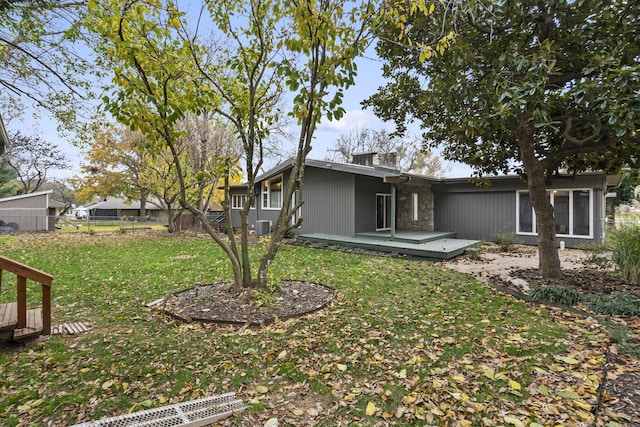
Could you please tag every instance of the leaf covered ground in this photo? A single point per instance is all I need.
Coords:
(403, 343)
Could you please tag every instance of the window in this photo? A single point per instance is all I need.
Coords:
(414, 205)
(572, 213)
(383, 212)
(272, 193)
(238, 201)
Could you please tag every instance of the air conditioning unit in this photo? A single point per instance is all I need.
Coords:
(263, 227)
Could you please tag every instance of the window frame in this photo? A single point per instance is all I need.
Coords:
(386, 197)
(265, 192)
(550, 193)
(243, 199)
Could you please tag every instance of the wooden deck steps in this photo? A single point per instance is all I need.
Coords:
(9, 323)
(415, 237)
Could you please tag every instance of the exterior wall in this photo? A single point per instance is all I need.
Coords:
(29, 213)
(366, 189)
(404, 210)
(329, 202)
(235, 213)
(482, 213)
(475, 215)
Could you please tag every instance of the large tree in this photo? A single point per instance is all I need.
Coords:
(163, 70)
(33, 159)
(410, 157)
(117, 164)
(528, 86)
(41, 56)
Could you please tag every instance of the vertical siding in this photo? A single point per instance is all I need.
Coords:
(329, 202)
(366, 189)
(29, 213)
(475, 215)
(481, 213)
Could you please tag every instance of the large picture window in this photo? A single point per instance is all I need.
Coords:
(272, 193)
(572, 212)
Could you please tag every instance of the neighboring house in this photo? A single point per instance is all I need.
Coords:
(118, 208)
(29, 212)
(348, 199)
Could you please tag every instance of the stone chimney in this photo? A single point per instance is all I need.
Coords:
(373, 158)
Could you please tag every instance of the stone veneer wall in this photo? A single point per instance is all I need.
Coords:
(404, 210)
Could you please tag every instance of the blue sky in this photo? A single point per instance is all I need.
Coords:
(367, 81)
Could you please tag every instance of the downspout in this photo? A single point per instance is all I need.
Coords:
(393, 211)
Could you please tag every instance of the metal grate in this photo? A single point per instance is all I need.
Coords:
(194, 413)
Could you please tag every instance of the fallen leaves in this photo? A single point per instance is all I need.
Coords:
(404, 343)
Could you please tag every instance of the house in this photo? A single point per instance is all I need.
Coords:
(29, 212)
(117, 208)
(352, 200)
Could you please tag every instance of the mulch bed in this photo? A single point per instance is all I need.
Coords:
(585, 281)
(222, 304)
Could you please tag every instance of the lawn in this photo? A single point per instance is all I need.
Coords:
(405, 342)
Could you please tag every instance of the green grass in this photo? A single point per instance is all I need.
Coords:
(422, 344)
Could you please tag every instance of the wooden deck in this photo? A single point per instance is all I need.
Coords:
(435, 245)
(9, 323)
(17, 322)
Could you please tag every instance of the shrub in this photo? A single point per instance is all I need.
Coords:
(554, 294)
(616, 304)
(596, 254)
(506, 241)
(625, 247)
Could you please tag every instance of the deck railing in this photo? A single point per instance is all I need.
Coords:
(24, 272)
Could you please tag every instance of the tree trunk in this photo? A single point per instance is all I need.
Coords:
(548, 259)
(171, 224)
(143, 206)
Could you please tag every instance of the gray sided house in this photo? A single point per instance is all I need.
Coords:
(29, 212)
(349, 200)
(119, 208)
(504, 207)
(340, 199)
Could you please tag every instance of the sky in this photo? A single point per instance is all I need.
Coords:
(367, 81)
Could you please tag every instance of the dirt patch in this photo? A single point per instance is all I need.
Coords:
(221, 303)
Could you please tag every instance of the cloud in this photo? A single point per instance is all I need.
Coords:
(351, 120)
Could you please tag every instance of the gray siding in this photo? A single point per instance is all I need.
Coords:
(30, 213)
(482, 213)
(235, 213)
(366, 189)
(329, 202)
(478, 216)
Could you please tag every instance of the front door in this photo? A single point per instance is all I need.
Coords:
(383, 212)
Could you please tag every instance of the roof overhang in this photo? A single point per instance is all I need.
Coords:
(395, 179)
